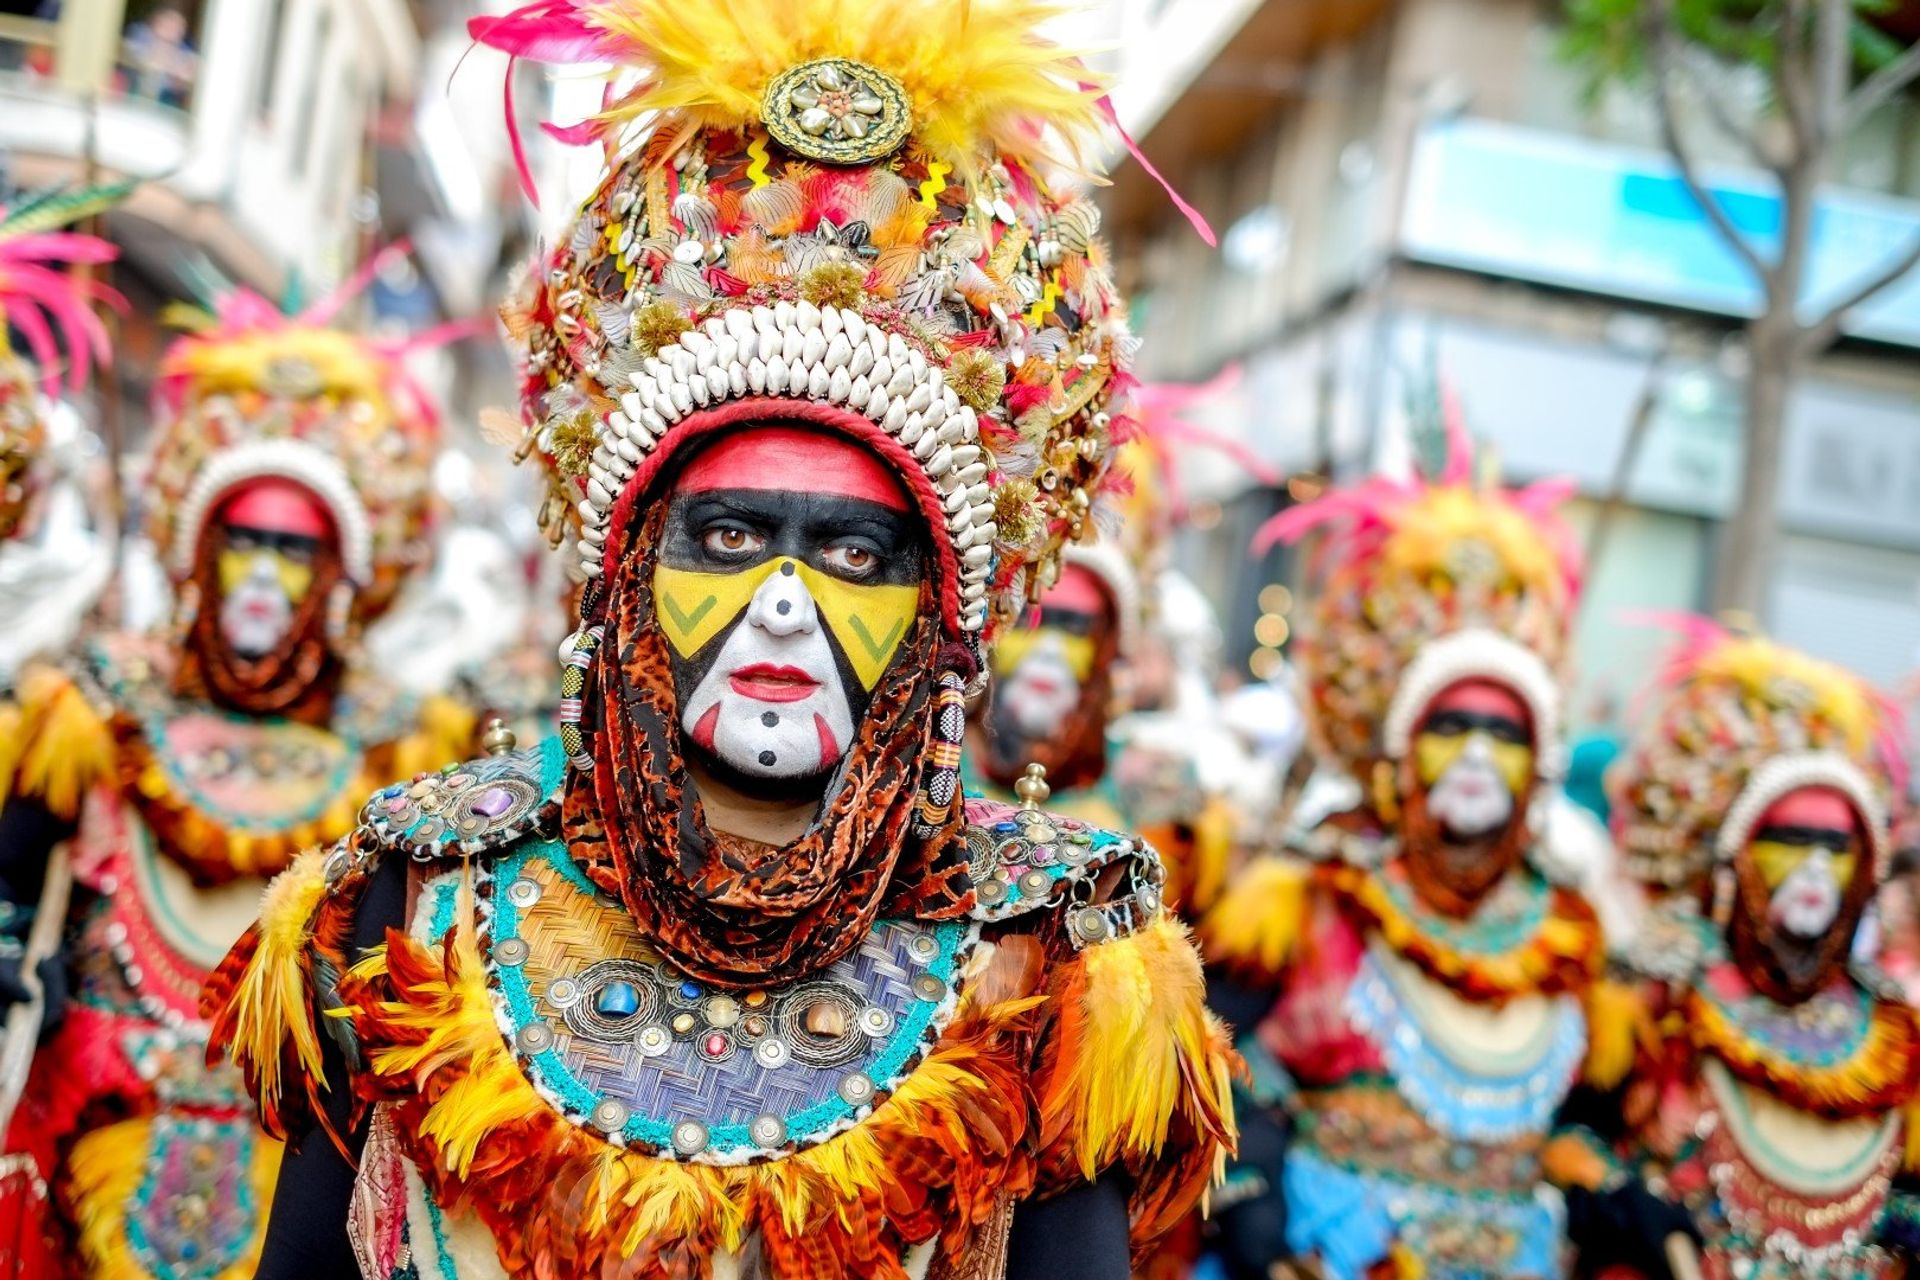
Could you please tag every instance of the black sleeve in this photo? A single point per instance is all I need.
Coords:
(1240, 1004)
(1081, 1234)
(28, 832)
(307, 1226)
(1250, 1230)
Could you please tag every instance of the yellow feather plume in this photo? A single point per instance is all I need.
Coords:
(1778, 676)
(979, 76)
(1255, 923)
(1617, 1022)
(269, 1007)
(67, 745)
(342, 365)
(1147, 1046)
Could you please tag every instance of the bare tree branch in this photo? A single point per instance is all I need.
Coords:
(1659, 45)
(1877, 89)
(1790, 76)
(1832, 55)
(1822, 333)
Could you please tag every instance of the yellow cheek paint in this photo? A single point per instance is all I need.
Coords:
(235, 567)
(1435, 753)
(1013, 649)
(870, 620)
(1777, 861)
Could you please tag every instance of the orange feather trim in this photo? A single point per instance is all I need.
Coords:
(1135, 1072)
(932, 1161)
(1564, 955)
(1882, 1074)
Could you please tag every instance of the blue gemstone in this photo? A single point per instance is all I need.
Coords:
(617, 1000)
(689, 990)
(1006, 826)
(189, 1250)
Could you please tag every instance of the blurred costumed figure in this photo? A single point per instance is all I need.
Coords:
(288, 493)
(1778, 1068)
(55, 557)
(1107, 686)
(725, 979)
(1415, 984)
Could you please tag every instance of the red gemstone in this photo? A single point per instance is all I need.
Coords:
(716, 1045)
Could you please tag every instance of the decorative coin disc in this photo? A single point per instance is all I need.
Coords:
(838, 111)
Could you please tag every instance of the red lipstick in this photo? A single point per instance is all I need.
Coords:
(765, 682)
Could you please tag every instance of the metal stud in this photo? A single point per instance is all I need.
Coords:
(928, 987)
(856, 1087)
(510, 951)
(876, 1022)
(563, 993)
(689, 1137)
(523, 892)
(772, 1054)
(535, 1037)
(991, 892)
(1035, 883)
(653, 1041)
(610, 1116)
(923, 947)
(768, 1130)
(1091, 925)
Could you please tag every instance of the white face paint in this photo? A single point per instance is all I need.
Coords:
(1037, 696)
(1808, 901)
(1471, 798)
(773, 705)
(255, 613)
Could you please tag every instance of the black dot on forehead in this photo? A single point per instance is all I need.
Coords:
(769, 718)
(786, 567)
(766, 759)
(783, 607)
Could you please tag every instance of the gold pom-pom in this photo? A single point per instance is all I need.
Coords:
(835, 284)
(657, 324)
(571, 441)
(1016, 514)
(978, 378)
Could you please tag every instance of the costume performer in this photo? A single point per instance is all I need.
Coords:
(289, 495)
(53, 564)
(1102, 687)
(1414, 988)
(726, 980)
(1774, 1093)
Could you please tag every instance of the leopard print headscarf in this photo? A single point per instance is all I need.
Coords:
(734, 913)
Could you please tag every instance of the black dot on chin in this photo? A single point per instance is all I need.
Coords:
(769, 718)
(787, 568)
(766, 759)
(783, 607)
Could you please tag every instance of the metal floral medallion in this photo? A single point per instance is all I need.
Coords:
(838, 111)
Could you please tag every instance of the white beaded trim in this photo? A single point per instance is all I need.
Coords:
(824, 354)
(294, 460)
(1781, 775)
(1466, 655)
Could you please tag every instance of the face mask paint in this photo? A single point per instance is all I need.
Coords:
(263, 575)
(1805, 854)
(1474, 756)
(1041, 672)
(783, 608)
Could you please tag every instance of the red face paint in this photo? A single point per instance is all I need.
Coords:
(786, 458)
(277, 506)
(1078, 589)
(1817, 808)
(1481, 698)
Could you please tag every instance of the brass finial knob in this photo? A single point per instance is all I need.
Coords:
(498, 740)
(1032, 788)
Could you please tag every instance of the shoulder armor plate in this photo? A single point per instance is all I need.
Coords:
(479, 807)
(1023, 860)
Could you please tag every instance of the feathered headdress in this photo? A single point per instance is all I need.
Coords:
(1425, 583)
(1733, 722)
(51, 306)
(251, 391)
(836, 211)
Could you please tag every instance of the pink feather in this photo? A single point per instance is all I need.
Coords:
(1193, 215)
